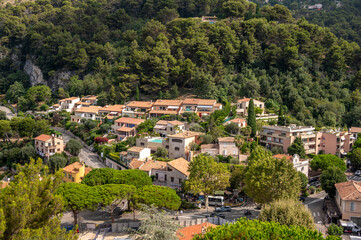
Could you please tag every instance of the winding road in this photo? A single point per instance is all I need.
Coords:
(90, 158)
(8, 112)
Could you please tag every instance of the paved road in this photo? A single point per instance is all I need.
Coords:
(314, 203)
(354, 178)
(91, 159)
(9, 114)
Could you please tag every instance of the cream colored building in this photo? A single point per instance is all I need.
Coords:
(138, 153)
(111, 111)
(334, 142)
(201, 107)
(46, 145)
(165, 128)
(75, 172)
(348, 199)
(137, 109)
(241, 122)
(301, 165)
(242, 106)
(67, 104)
(165, 107)
(227, 147)
(126, 127)
(178, 145)
(87, 113)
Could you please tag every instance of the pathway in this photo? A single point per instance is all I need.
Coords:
(8, 112)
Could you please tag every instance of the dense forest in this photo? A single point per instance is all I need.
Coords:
(116, 48)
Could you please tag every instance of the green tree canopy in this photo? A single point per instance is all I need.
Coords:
(356, 158)
(99, 176)
(269, 179)
(297, 148)
(74, 147)
(324, 161)
(330, 177)
(251, 119)
(161, 197)
(287, 212)
(57, 161)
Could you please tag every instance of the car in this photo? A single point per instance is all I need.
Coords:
(358, 173)
(223, 209)
(217, 215)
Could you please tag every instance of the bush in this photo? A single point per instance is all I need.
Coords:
(74, 147)
(101, 140)
(335, 230)
(187, 205)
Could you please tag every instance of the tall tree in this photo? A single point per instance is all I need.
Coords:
(207, 176)
(74, 147)
(137, 93)
(251, 119)
(297, 148)
(287, 212)
(356, 158)
(29, 206)
(269, 179)
(324, 161)
(281, 118)
(330, 177)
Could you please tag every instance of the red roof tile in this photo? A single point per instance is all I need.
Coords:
(43, 137)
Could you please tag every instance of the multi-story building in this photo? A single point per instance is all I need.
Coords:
(126, 126)
(348, 199)
(111, 111)
(66, 104)
(301, 165)
(137, 109)
(138, 153)
(87, 113)
(179, 145)
(241, 122)
(165, 107)
(334, 142)
(75, 172)
(283, 136)
(226, 147)
(165, 128)
(46, 145)
(242, 106)
(201, 107)
(86, 101)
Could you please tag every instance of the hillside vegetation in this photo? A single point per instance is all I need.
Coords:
(114, 47)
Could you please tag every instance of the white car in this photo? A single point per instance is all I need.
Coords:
(358, 173)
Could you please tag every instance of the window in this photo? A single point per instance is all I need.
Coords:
(167, 147)
(169, 169)
(156, 176)
(172, 179)
(180, 180)
(65, 175)
(165, 177)
(142, 144)
(352, 206)
(176, 148)
(177, 140)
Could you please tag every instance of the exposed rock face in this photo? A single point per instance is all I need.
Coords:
(34, 72)
(59, 79)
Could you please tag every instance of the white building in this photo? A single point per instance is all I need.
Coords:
(301, 165)
(66, 104)
(88, 113)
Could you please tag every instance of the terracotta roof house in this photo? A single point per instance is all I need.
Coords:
(92, 99)
(68, 104)
(301, 165)
(138, 153)
(88, 113)
(75, 172)
(178, 145)
(137, 108)
(242, 106)
(201, 107)
(126, 126)
(165, 107)
(165, 128)
(188, 233)
(48, 145)
(241, 122)
(348, 199)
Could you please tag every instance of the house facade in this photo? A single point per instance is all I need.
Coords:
(242, 106)
(241, 122)
(137, 109)
(87, 113)
(126, 126)
(201, 107)
(138, 153)
(283, 136)
(227, 147)
(46, 145)
(75, 172)
(165, 107)
(178, 145)
(334, 142)
(301, 165)
(111, 111)
(68, 104)
(348, 199)
(165, 128)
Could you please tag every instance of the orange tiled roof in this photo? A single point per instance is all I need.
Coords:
(112, 108)
(244, 100)
(151, 164)
(186, 134)
(125, 129)
(238, 120)
(226, 139)
(89, 97)
(218, 105)
(135, 149)
(280, 156)
(188, 233)
(83, 103)
(90, 109)
(163, 112)
(3, 184)
(56, 105)
(68, 99)
(140, 104)
(164, 102)
(207, 101)
(135, 164)
(162, 122)
(355, 129)
(135, 121)
(176, 122)
(349, 190)
(74, 168)
(181, 165)
(193, 101)
(43, 137)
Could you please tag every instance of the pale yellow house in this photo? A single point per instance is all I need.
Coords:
(348, 199)
(75, 172)
(179, 145)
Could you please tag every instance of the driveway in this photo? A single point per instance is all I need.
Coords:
(8, 112)
(91, 159)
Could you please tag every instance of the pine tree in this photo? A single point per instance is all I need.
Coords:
(281, 117)
(174, 91)
(160, 94)
(251, 120)
(137, 94)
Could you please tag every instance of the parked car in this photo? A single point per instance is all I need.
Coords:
(247, 212)
(358, 173)
(302, 199)
(223, 209)
(349, 227)
(217, 215)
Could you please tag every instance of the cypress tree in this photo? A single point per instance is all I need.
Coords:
(251, 120)
(281, 117)
(137, 93)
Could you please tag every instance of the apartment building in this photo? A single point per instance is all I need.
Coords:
(241, 122)
(86, 101)
(226, 147)
(137, 109)
(87, 113)
(126, 126)
(242, 106)
(202, 107)
(66, 104)
(301, 165)
(165, 107)
(46, 145)
(111, 111)
(165, 128)
(348, 199)
(334, 142)
(75, 172)
(178, 145)
(283, 136)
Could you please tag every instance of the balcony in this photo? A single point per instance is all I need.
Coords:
(308, 135)
(309, 143)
